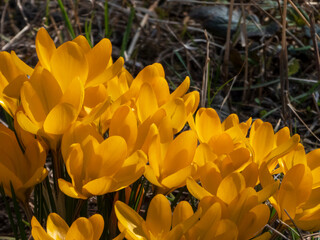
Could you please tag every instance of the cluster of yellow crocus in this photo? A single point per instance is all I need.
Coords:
(111, 128)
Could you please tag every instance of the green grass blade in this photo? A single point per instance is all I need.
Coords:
(13, 226)
(107, 30)
(127, 32)
(47, 13)
(66, 19)
(139, 195)
(18, 214)
(87, 30)
(51, 200)
(184, 65)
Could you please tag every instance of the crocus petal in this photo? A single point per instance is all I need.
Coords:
(207, 124)
(230, 187)
(178, 179)
(69, 190)
(211, 179)
(181, 89)
(57, 228)
(45, 48)
(107, 74)
(263, 141)
(210, 217)
(99, 57)
(98, 186)
(313, 158)
(151, 176)
(130, 219)
(81, 229)
(251, 174)
(26, 124)
(59, 119)
(124, 124)
(32, 104)
(83, 43)
(78, 133)
(283, 149)
(97, 111)
(221, 144)
(68, 62)
(7, 67)
(97, 224)
(254, 221)
(181, 213)
(225, 229)
(146, 102)
(267, 191)
(196, 190)
(112, 151)
(38, 233)
(176, 110)
(46, 88)
(159, 215)
(180, 153)
(13, 88)
(74, 95)
(131, 171)
(21, 65)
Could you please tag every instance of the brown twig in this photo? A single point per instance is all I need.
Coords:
(300, 119)
(205, 76)
(3, 14)
(315, 43)
(15, 38)
(138, 32)
(245, 35)
(300, 233)
(284, 69)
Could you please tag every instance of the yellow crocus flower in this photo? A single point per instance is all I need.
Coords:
(24, 169)
(159, 220)
(269, 147)
(241, 206)
(98, 166)
(13, 73)
(171, 163)
(299, 193)
(57, 229)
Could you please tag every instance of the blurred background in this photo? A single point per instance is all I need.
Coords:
(255, 58)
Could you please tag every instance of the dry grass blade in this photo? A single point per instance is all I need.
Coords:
(284, 69)
(245, 36)
(15, 38)
(138, 31)
(303, 18)
(299, 232)
(277, 233)
(304, 124)
(3, 14)
(205, 76)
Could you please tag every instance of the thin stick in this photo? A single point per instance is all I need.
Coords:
(16, 37)
(300, 119)
(299, 232)
(205, 74)
(284, 69)
(315, 44)
(277, 232)
(244, 31)
(142, 24)
(3, 14)
(302, 16)
(279, 24)
(227, 45)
